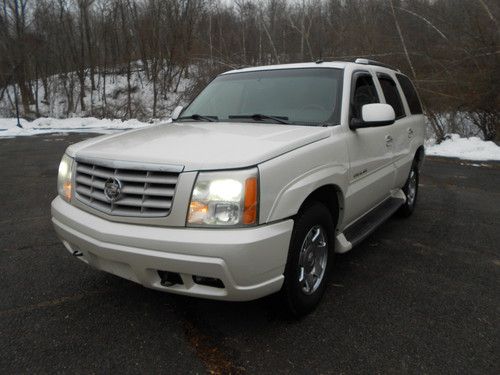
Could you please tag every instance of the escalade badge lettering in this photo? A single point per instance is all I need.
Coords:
(112, 189)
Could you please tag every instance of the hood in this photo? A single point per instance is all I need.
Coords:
(201, 146)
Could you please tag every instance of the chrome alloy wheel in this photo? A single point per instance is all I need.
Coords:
(412, 187)
(312, 260)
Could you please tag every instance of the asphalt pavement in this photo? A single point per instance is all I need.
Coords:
(420, 295)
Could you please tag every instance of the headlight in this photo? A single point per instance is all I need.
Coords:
(228, 198)
(64, 183)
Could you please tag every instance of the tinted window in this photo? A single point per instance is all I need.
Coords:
(304, 96)
(410, 93)
(364, 92)
(391, 95)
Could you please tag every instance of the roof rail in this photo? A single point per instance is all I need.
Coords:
(373, 62)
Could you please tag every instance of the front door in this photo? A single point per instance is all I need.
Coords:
(371, 172)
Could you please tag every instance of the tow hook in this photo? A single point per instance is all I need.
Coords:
(77, 253)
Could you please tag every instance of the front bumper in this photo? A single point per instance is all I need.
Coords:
(250, 261)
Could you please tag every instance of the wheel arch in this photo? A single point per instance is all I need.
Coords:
(420, 155)
(331, 196)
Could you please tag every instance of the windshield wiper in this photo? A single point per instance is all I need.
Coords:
(259, 117)
(198, 117)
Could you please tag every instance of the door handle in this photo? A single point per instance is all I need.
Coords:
(410, 133)
(388, 140)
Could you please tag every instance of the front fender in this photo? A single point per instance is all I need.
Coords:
(291, 197)
(288, 180)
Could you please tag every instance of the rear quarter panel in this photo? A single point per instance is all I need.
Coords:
(403, 163)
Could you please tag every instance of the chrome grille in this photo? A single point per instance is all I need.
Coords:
(144, 193)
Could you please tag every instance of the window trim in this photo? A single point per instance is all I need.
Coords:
(388, 76)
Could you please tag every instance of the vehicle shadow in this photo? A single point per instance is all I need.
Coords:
(250, 314)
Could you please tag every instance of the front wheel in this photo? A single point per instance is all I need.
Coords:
(411, 191)
(309, 259)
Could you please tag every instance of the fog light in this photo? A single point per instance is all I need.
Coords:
(208, 281)
(169, 278)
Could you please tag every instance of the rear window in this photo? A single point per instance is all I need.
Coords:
(392, 95)
(410, 93)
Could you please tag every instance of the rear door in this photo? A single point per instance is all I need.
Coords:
(371, 172)
(404, 128)
(415, 131)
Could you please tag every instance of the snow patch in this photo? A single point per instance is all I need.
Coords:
(44, 125)
(472, 148)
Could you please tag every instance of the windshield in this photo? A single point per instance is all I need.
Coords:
(308, 96)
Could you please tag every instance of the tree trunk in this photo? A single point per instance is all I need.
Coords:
(104, 103)
(37, 109)
(46, 90)
(81, 78)
(26, 94)
(129, 89)
(89, 48)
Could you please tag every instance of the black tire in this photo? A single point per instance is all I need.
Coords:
(313, 219)
(410, 189)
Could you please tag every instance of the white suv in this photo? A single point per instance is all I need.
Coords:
(253, 187)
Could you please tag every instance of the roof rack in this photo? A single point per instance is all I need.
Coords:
(373, 62)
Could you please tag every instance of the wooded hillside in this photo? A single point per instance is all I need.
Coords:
(449, 48)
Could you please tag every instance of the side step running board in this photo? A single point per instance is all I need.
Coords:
(358, 231)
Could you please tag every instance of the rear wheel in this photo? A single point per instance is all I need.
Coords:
(410, 189)
(309, 259)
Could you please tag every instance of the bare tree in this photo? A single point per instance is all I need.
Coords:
(66, 53)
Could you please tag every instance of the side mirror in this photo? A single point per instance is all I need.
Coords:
(375, 114)
(176, 112)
